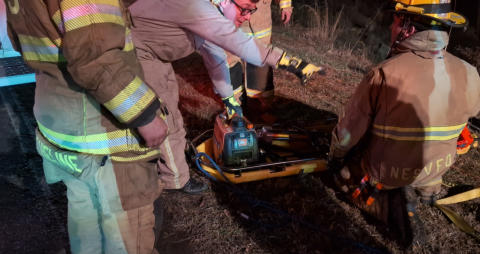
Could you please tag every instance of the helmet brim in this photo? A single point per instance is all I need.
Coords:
(446, 22)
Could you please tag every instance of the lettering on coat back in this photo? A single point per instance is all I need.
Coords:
(434, 167)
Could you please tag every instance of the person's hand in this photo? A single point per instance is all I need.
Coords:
(154, 133)
(286, 15)
(301, 68)
(233, 106)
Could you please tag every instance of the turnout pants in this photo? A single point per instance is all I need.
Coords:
(173, 168)
(110, 204)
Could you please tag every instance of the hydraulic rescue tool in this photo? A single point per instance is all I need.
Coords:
(243, 152)
(234, 143)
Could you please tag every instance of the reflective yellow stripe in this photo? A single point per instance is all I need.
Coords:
(285, 3)
(239, 90)
(131, 101)
(40, 49)
(92, 19)
(77, 14)
(68, 4)
(261, 33)
(57, 18)
(128, 41)
(425, 138)
(253, 93)
(402, 129)
(103, 143)
(136, 158)
(431, 133)
(35, 41)
(32, 56)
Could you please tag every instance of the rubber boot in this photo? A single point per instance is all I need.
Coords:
(194, 187)
(418, 235)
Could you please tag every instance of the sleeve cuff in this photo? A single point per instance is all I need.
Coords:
(147, 116)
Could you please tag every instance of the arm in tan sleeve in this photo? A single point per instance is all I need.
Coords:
(101, 59)
(208, 23)
(358, 116)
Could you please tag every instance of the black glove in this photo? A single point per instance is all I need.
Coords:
(232, 106)
(302, 69)
(341, 174)
(335, 165)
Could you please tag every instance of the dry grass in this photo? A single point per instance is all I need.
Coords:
(319, 22)
(469, 54)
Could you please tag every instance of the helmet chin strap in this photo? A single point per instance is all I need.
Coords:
(402, 35)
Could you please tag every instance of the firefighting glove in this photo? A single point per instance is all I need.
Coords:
(335, 164)
(340, 173)
(299, 67)
(232, 106)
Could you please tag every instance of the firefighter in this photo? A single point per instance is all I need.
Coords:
(399, 130)
(255, 87)
(99, 123)
(169, 30)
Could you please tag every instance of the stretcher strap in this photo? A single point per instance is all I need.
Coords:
(462, 197)
(453, 216)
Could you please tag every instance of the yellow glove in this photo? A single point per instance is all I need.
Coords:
(232, 106)
(302, 69)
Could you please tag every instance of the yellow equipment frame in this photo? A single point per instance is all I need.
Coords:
(260, 174)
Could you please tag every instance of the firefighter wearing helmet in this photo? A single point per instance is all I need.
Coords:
(399, 132)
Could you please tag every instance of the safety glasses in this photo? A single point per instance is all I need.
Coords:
(243, 11)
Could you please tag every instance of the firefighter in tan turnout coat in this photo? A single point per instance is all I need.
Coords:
(164, 32)
(251, 82)
(98, 123)
(403, 120)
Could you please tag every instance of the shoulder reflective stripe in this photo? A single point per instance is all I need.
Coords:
(262, 33)
(92, 19)
(67, 4)
(402, 129)
(104, 143)
(76, 14)
(131, 101)
(40, 49)
(128, 41)
(285, 3)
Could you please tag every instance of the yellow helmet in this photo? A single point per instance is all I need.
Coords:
(437, 11)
